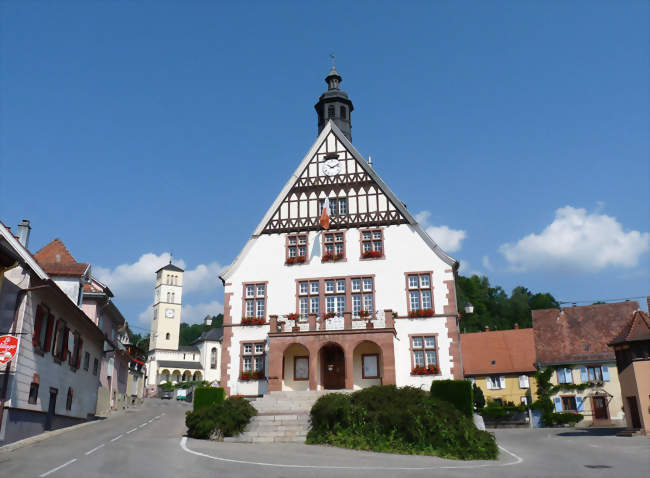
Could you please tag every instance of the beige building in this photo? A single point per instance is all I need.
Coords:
(632, 348)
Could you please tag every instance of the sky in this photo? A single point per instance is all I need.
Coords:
(517, 132)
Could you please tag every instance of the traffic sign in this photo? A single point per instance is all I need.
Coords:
(8, 347)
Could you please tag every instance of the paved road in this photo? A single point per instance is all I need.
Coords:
(148, 443)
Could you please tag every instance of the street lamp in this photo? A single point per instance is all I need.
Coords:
(469, 308)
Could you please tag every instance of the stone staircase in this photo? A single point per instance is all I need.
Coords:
(282, 417)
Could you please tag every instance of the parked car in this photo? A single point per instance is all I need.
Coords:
(181, 394)
(167, 395)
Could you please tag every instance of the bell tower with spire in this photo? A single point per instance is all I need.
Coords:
(335, 105)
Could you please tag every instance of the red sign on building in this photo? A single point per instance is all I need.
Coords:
(8, 347)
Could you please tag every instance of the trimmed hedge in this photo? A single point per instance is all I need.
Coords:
(457, 392)
(398, 420)
(206, 396)
(228, 418)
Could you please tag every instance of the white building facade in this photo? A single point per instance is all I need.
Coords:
(368, 300)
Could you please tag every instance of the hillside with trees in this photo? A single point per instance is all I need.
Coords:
(188, 333)
(494, 308)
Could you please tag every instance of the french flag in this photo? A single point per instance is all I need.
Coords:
(325, 216)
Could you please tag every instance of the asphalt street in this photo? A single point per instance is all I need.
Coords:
(149, 442)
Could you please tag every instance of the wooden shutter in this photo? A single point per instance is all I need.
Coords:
(605, 370)
(48, 333)
(65, 338)
(79, 351)
(38, 323)
(502, 381)
(489, 383)
(558, 404)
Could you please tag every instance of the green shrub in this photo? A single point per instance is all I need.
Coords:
(456, 392)
(555, 419)
(228, 418)
(497, 412)
(479, 398)
(206, 396)
(398, 420)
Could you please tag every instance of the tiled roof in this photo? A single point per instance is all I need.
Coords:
(500, 351)
(170, 267)
(212, 335)
(637, 328)
(56, 260)
(179, 364)
(579, 334)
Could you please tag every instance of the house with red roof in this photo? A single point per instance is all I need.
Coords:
(632, 349)
(574, 342)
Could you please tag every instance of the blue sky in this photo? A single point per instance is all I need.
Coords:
(517, 130)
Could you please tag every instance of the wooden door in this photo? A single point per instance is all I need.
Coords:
(333, 368)
(600, 408)
(51, 410)
(634, 412)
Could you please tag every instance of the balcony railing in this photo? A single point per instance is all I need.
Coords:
(380, 320)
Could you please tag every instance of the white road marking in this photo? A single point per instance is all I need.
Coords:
(150, 421)
(518, 460)
(157, 417)
(131, 431)
(116, 438)
(143, 425)
(94, 449)
(57, 468)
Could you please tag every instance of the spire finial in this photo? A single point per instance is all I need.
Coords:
(332, 57)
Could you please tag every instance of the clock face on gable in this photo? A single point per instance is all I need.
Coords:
(169, 313)
(331, 167)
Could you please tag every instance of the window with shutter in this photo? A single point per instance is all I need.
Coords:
(558, 404)
(488, 382)
(605, 370)
(523, 381)
(580, 404)
(502, 381)
(38, 323)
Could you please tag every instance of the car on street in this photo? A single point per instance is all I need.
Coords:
(167, 395)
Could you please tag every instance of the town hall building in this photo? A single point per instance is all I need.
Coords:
(167, 360)
(338, 287)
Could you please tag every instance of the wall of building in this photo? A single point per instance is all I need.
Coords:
(210, 374)
(71, 287)
(512, 392)
(635, 382)
(289, 383)
(611, 388)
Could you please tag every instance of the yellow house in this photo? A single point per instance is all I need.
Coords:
(501, 364)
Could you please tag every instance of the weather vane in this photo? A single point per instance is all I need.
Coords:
(332, 57)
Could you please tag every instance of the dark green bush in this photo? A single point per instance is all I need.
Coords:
(457, 392)
(228, 418)
(479, 398)
(398, 420)
(497, 412)
(206, 396)
(571, 419)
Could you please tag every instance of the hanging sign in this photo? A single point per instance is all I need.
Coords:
(8, 347)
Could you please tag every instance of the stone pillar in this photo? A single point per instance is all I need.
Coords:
(314, 371)
(347, 320)
(275, 367)
(349, 364)
(312, 322)
(273, 323)
(390, 321)
(387, 360)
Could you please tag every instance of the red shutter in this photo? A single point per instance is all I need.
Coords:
(64, 350)
(38, 322)
(48, 333)
(80, 344)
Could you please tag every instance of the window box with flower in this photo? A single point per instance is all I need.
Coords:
(295, 318)
(428, 370)
(423, 313)
(296, 260)
(329, 315)
(332, 257)
(252, 375)
(372, 255)
(253, 321)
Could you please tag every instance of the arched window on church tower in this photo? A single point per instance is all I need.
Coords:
(213, 358)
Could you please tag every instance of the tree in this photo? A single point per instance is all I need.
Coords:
(479, 398)
(189, 333)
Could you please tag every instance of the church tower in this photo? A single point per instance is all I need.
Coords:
(166, 323)
(335, 105)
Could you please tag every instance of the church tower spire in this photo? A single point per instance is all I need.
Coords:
(335, 105)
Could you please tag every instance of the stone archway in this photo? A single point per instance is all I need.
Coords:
(197, 376)
(332, 366)
(367, 364)
(187, 376)
(176, 376)
(164, 376)
(295, 368)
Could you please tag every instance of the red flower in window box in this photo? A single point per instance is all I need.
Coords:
(253, 321)
(364, 314)
(372, 255)
(329, 315)
(252, 375)
(294, 317)
(429, 370)
(296, 260)
(421, 313)
(331, 257)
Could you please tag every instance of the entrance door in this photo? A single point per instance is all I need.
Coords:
(634, 412)
(333, 361)
(600, 408)
(51, 409)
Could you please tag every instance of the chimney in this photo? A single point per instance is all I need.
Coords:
(487, 328)
(208, 321)
(23, 233)
(516, 325)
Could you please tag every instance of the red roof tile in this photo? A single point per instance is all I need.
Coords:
(56, 260)
(637, 328)
(579, 334)
(499, 351)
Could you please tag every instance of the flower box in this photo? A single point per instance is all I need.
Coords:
(330, 257)
(372, 255)
(370, 325)
(364, 314)
(295, 328)
(253, 321)
(421, 313)
(292, 316)
(252, 375)
(296, 260)
(329, 315)
(429, 370)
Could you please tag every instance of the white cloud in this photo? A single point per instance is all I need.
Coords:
(449, 239)
(466, 270)
(578, 240)
(486, 263)
(190, 314)
(136, 280)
